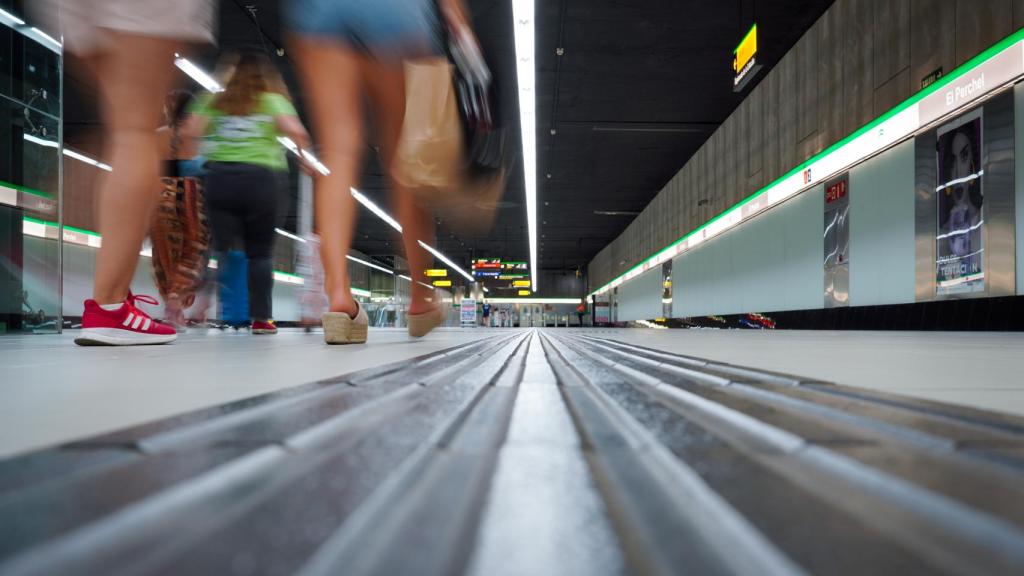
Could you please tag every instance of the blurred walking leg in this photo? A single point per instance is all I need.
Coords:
(133, 85)
(385, 81)
(331, 79)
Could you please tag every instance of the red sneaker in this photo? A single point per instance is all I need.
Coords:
(263, 327)
(126, 326)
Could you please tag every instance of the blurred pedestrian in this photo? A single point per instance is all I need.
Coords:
(345, 50)
(245, 160)
(180, 235)
(128, 47)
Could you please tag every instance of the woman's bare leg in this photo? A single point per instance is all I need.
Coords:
(133, 81)
(385, 80)
(330, 77)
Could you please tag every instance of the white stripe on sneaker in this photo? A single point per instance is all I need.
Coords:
(147, 324)
(128, 320)
(137, 323)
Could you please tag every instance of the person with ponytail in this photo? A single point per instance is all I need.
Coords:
(240, 127)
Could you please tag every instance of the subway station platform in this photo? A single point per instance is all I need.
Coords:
(516, 452)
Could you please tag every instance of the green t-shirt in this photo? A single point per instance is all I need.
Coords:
(250, 139)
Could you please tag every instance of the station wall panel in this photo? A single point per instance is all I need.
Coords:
(771, 263)
(641, 298)
(979, 24)
(1018, 95)
(882, 249)
(930, 46)
(858, 61)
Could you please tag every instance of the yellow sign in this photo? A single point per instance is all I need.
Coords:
(520, 283)
(524, 292)
(443, 283)
(745, 52)
(436, 273)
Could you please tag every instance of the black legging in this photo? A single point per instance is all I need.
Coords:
(242, 203)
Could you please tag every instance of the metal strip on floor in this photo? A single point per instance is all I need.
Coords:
(533, 452)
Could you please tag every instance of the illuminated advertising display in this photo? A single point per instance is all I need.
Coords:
(959, 200)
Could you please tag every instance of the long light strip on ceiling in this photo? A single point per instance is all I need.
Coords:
(197, 74)
(437, 253)
(10, 19)
(69, 152)
(372, 207)
(999, 66)
(534, 300)
(45, 38)
(17, 24)
(371, 265)
(526, 72)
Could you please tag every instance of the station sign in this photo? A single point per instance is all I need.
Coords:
(524, 292)
(521, 284)
(515, 266)
(436, 273)
(744, 60)
(443, 283)
(513, 276)
(993, 73)
(487, 264)
(487, 273)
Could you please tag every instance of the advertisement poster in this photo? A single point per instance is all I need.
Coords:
(959, 198)
(601, 315)
(467, 311)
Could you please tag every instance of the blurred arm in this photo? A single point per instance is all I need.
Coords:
(290, 126)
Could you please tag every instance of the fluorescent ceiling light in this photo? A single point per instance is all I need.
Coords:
(486, 290)
(46, 37)
(40, 141)
(526, 72)
(404, 277)
(69, 152)
(370, 264)
(194, 72)
(83, 158)
(288, 234)
(9, 18)
(315, 162)
(445, 259)
(424, 284)
(376, 209)
(309, 156)
(289, 144)
(534, 300)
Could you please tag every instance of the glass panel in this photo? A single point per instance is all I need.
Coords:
(30, 164)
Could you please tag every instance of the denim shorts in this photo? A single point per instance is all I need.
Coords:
(377, 26)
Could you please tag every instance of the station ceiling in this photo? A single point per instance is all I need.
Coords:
(626, 93)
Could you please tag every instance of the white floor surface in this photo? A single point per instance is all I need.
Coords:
(982, 370)
(52, 391)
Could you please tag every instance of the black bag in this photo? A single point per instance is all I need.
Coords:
(479, 107)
